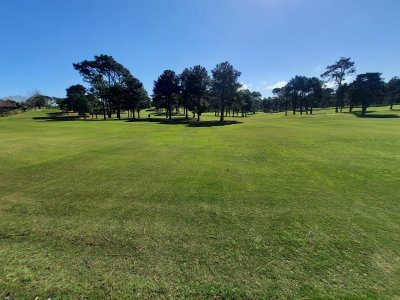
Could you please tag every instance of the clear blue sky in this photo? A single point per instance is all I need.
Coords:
(267, 40)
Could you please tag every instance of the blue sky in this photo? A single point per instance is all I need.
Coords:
(269, 41)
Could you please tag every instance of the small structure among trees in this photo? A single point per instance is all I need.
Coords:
(6, 106)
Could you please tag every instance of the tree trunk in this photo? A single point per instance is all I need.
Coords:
(221, 117)
(337, 105)
(187, 113)
(301, 107)
(363, 110)
(119, 113)
(294, 106)
(104, 111)
(198, 117)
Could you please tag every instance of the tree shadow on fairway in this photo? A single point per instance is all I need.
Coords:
(188, 123)
(370, 114)
(60, 116)
(56, 116)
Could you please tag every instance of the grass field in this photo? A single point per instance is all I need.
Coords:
(275, 207)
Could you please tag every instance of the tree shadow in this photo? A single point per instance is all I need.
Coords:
(187, 122)
(370, 114)
(56, 116)
(60, 116)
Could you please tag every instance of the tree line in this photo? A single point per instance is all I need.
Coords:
(113, 89)
(196, 91)
(35, 101)
(302, 93)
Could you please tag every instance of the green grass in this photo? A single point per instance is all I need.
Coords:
(276, 207)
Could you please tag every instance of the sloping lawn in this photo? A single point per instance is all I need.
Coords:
(273, 207)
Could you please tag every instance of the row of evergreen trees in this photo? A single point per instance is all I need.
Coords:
(302, 93)
(196, 91)
(112, 89)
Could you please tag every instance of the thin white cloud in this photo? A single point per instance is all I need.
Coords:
(330, 85)
(333, 85)
(278, 85)
(245, 86)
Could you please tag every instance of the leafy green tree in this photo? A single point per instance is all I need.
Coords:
(297, 89)
(256, 99)
(225, 85)
(165, 91)
(103, 74)
(328, 97)
(315, 92)
(337, 73)
(62, 104)
(185, 98)
(244, 99)
(133, 93)
(37, 100)
(77, 99)
(195, 84)
(341, 94)
(393, 91)
(116, 94)
(144, 100)
(265, 105)
(365, 89)
(281, 98)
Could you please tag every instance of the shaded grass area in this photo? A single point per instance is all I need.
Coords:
(375, 114)
(276, 207)
(59, 116)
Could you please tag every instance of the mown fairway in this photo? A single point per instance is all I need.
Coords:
(277, 207)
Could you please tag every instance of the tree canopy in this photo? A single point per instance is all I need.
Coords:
(337, 73)
(166, 91)
(225, 85)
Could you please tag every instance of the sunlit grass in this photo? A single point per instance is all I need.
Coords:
(274, 207)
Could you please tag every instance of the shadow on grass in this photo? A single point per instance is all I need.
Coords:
(370, 114)
(59, 116)
(56, 116)
(188, 123)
